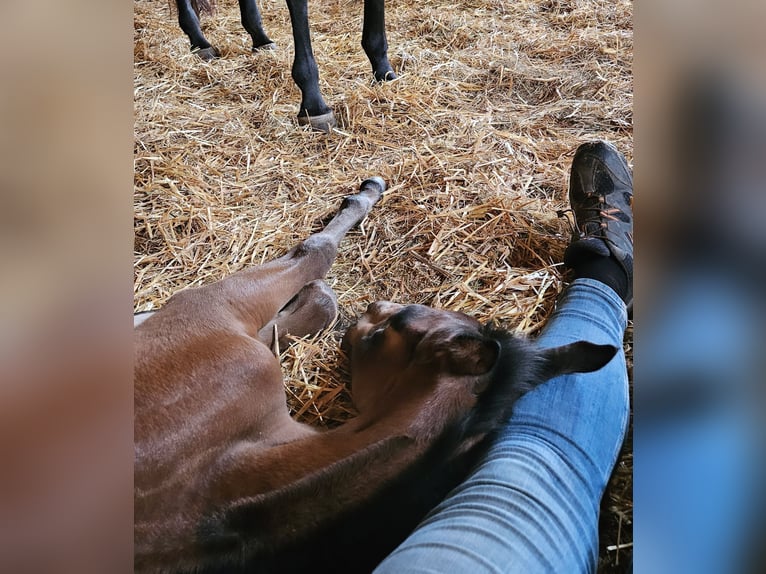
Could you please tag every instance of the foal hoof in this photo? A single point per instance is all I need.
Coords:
(206, 54)
(375, 184)
(323, 123)
(271, 46)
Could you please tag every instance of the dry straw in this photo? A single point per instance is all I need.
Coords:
(474, 139)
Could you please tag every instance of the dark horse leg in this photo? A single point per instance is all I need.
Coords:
(374, 40)
(313, 111)
(189, 21)
(251, 21)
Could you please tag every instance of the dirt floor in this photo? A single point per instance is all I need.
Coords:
(474, 139)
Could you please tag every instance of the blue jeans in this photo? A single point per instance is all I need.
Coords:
(532, 505)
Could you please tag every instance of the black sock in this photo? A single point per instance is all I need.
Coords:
(607, 271)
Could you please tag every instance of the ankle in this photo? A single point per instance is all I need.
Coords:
(608, 271)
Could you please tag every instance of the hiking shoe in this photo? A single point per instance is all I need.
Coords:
(601, 196)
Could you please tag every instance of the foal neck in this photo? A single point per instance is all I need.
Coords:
(355, 491)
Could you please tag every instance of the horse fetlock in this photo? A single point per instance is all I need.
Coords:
(370, 191)
(320, 247)
(382, 68)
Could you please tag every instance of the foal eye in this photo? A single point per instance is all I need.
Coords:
(376, 337)
(377, 334)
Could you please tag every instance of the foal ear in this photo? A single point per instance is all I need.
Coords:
(579, 357)
(469, 354)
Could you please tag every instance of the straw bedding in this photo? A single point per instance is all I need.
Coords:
(474, 139)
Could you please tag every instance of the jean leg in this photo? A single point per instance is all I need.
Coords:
(531, 506)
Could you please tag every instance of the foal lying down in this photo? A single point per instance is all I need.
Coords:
(226, 481)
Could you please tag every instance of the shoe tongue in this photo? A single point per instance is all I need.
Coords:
(587, 248)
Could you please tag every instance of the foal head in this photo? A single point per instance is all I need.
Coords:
(443, 365)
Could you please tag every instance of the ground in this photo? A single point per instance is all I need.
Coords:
(474, 139)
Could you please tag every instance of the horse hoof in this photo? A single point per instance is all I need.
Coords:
(373, 182)
(265, 47)
(323, 123)
(386, 77)
(207, 54)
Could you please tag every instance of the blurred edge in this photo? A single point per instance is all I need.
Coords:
(66, 299)
(700, 165)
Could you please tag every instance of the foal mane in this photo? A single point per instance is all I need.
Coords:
(518, 370)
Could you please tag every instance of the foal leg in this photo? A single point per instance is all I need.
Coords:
(256, 296)
(310, 311)
(189, 22)
(251, 21)
(313, 111)
(374, 40)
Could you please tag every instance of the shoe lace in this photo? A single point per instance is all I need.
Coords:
(596, 223)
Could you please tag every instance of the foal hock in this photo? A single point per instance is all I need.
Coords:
(226, 481)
